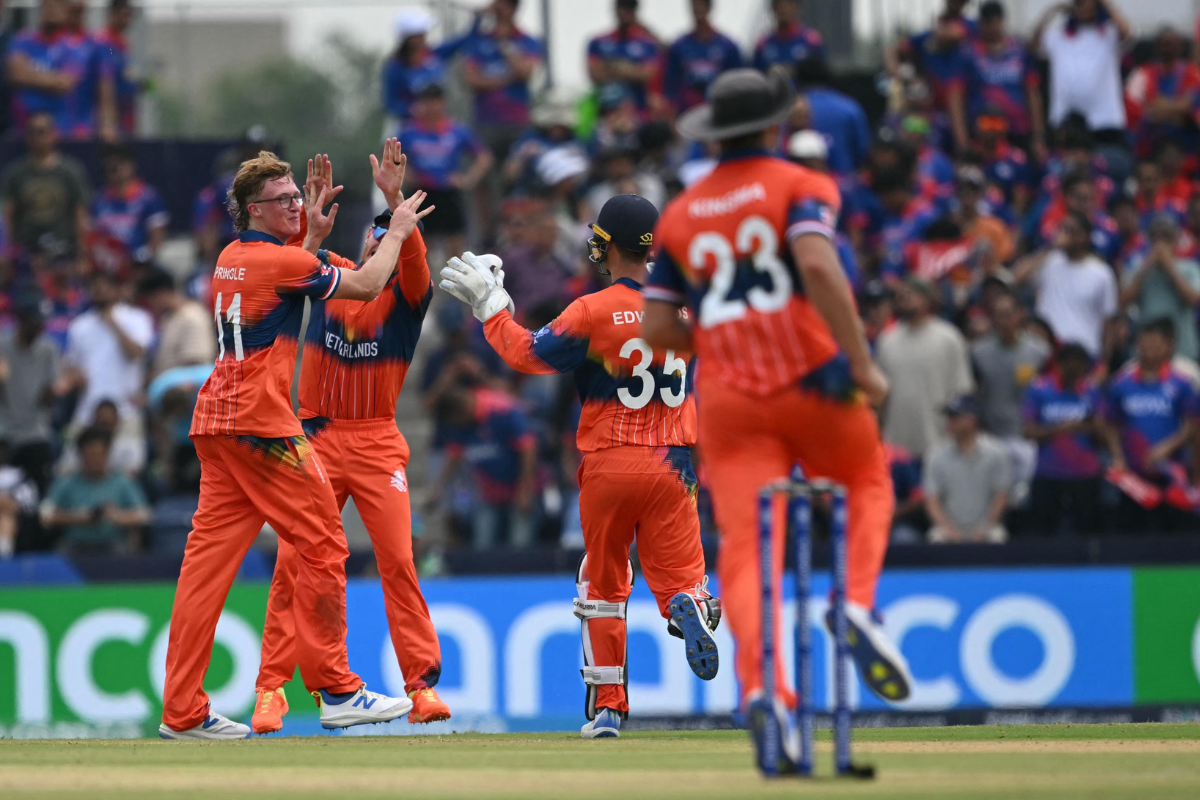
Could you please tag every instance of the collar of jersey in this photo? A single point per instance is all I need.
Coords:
(745, 152)
(258, 236)
(630, 282)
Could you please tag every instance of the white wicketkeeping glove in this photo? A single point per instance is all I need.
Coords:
(471, 285)
(492, 269)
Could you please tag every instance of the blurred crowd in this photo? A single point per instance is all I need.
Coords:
(1021, 227)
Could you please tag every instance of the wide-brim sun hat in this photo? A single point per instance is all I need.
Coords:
(740, 102)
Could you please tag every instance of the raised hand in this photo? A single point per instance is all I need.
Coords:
(319, 191)
(406, 215)
(389, 172)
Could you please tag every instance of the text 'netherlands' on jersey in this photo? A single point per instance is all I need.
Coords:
(724, 252)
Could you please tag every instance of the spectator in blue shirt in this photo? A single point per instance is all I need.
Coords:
(790, 42)
(99, 511)
(554, 122)
(118, 88)
(37, 69)
(489, 432)
(497, 67)
(1060, 412)
(445, 159)
(414, 65)
(81, 58)
(1001, 74)
(938, 56)
(836, 116)
(1149, 412)
(629, 55)
(129, 218)
(696, 58)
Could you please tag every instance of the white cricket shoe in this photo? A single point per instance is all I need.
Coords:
(606, 725)
(215, 727)
(360, 708)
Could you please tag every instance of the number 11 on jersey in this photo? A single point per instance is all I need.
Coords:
(233, 316)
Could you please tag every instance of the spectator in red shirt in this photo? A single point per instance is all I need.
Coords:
(1151, 199)
(1176, 182)
(1160, 96)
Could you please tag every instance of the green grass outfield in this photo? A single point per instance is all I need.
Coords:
(1027, 762)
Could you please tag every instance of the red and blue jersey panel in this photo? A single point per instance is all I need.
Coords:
(258, 292)
(724, 253)
(356, 354)
(631, 394)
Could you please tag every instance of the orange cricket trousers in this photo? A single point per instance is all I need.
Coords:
(750, 441)
(245, 481)
(647, 493)
(366, 460)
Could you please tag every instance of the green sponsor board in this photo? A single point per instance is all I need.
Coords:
(1166, 625)
(90, 661)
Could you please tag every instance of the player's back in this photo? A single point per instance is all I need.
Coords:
(631, 394)
(724, 252)
(258, 292)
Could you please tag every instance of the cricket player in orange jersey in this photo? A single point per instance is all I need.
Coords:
(636, 430)
(356, 356)
(257, 465)
(784, 375)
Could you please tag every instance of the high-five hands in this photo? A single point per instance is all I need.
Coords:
(478, 281)
(319, 191)
(389, 172)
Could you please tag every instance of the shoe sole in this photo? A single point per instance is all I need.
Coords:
(698, 642)
(255, 729)
(875, 667)
(603, 733)
(175, 736)
(400, 710)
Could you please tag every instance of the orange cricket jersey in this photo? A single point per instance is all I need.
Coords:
(258, 292)
(631, 394)
(723, 252)
(357, 354)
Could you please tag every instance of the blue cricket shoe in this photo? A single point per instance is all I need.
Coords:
(774, 720)
(606, 725)
(693, 619)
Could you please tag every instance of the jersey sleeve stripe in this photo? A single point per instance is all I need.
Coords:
(333, 284)
(809, 226)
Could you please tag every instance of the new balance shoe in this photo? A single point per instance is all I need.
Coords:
(693, 619)
(215, 727)
(606, 725)
(773, 722)
(883, 667)
(359, 708)
(427, 707)
(270, 706)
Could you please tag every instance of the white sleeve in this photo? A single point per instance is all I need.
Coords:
(139, 326)
(1108, 301)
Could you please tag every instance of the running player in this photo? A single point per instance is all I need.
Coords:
(256, 464)
(356, 355)
(636, 430)
(785, 374)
